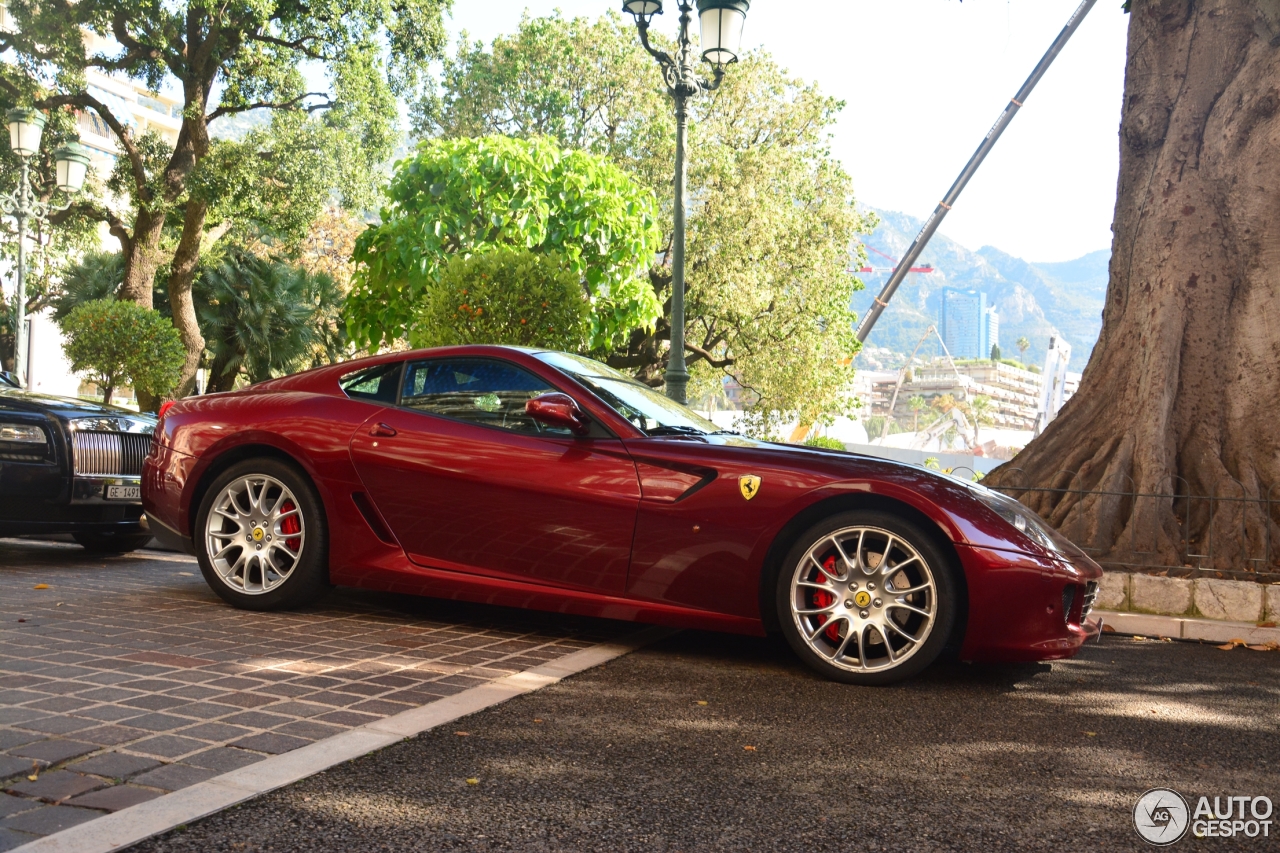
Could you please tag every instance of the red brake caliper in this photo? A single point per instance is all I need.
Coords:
(823, 598)
(290, 526)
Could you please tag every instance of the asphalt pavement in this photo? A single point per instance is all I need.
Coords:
(710, 742)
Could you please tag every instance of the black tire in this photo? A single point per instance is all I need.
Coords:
(810, 596)
(111, 543)
(307, 577)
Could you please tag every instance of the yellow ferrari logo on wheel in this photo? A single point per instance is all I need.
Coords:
(749, 485)
(257, 534)
(862, 599)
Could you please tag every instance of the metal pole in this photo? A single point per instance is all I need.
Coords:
(939, 212)
(677, 377)
(20, 310)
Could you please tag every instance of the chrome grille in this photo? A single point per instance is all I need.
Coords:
(117, 453)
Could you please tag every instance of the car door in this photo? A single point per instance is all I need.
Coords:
(470, 483)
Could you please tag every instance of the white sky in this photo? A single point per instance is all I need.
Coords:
(924, 80)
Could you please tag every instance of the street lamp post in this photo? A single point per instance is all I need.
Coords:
(721, 24)
(72, 162)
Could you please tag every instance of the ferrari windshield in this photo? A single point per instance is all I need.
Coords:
(649, 410)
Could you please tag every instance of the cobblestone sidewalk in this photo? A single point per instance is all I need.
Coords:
(125, 678)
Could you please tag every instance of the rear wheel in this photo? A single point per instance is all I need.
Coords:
(111, 543)
(866, 598)
(261, 539)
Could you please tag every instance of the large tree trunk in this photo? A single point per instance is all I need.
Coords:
(1179, 396)
(142, 258)
(181, 278)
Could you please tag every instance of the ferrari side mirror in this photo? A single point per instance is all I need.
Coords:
(558, 410)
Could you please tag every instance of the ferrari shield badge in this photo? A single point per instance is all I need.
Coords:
(749, 485)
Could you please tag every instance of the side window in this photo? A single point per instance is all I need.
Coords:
(376, 384)
(481, 391)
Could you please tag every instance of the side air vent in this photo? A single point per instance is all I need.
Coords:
(372, 518)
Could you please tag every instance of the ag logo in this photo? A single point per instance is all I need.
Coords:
(1161, 816)
(749, 485)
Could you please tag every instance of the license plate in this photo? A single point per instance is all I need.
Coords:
(124, 493)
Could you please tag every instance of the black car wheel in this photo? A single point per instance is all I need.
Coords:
(865, 597)
(112, 543)
(261, 538)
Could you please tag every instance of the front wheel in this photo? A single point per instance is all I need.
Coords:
(865, 597)
(260, 537)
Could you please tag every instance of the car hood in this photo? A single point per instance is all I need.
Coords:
(14, 400)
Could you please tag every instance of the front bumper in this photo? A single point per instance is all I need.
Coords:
(1027, 608)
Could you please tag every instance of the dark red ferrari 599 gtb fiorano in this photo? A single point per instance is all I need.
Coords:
(550, 481)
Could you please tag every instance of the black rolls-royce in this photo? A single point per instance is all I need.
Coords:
(67, 466)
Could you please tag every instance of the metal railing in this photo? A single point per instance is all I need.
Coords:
(1227, 534)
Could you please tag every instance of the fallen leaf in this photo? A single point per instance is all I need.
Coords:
(41, 586)
(1266, 647)
(1107, 629)
(1091, 734)
(700, 702)
(1266, 624)
(473, 781)
(22, 620)
(32, 778)
(1227, 647)
(1137, 637)
(749, 748)
(537, 720)
(463, 734)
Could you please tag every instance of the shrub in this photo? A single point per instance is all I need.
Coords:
(113, 342)
(825, 442)
(505, 297)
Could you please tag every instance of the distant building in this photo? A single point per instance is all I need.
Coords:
(993, 328)
(966, 323)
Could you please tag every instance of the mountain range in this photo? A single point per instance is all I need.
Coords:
(1035, 300)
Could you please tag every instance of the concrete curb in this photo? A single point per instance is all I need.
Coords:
(138, 823)
(1181, 628)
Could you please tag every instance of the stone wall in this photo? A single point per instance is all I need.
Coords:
(1225, 600)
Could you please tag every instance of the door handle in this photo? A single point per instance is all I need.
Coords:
(382, 430)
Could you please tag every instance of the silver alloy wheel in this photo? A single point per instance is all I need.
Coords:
(864, 599)
(255, 534)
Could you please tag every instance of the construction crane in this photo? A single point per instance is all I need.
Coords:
(924, 269)
(988, 142)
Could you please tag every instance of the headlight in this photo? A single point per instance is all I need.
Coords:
(1023, 519)
(22, 434)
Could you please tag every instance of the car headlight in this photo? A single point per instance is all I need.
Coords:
(1024, 520)
(22, 433)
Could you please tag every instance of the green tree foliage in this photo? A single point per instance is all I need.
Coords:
(95, 276)
(771, 219)
(261, 316)
(472, 196)
(995, 352)
(915, 404)
(505, 297)
(265, 318)
(825, 442)
(983, 411)
(226, 59)
(1023, 345)
(113, 342)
